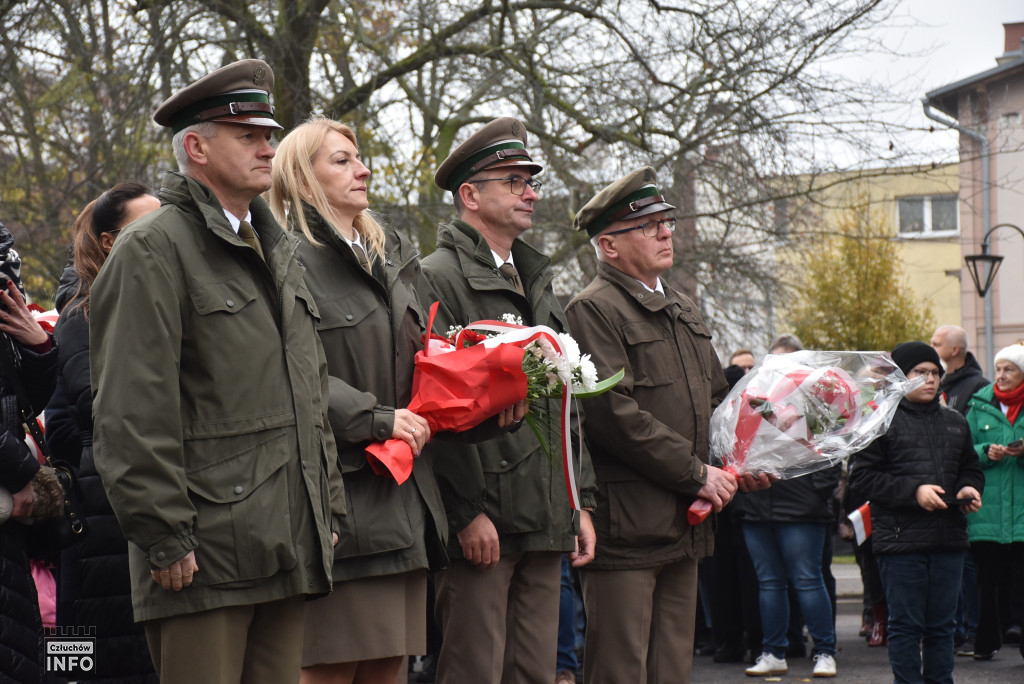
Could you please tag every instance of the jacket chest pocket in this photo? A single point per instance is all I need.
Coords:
(230, 330)
(652, 354)
(345, 313)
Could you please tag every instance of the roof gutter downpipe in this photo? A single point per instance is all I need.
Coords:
(986, 211)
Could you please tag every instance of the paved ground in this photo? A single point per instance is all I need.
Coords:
(857, 663)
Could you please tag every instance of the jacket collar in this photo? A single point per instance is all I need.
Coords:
(915, 407)
(192, 196)
(474, 252)
(399, 251)
(652, 301)
(969, 369)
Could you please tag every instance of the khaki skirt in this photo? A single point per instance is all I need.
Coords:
(367, 619)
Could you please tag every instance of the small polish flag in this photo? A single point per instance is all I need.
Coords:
(861, 521)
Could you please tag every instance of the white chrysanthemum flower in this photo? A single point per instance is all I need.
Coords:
(588, 375)
(570, 349)
(511, 318)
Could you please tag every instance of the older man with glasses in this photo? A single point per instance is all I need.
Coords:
(506, 502)
(648, 439)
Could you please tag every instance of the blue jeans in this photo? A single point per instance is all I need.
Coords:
(566, 659)
(789, 555)
(922, 591)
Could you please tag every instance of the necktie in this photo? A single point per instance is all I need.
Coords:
(361, 257)
(509, 273)
(247, 234)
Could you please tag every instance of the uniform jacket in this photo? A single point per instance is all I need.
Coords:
(371, 328)
(509, 477)
(960, 385)
(210, 406)
(20, 624)
(648, 436)
(925, 444)
(95, 583)
(1001, 518)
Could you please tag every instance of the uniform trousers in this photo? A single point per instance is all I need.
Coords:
(250, 643)
(640, 624)
(499, 625)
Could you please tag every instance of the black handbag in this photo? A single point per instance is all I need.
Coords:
(71, 526)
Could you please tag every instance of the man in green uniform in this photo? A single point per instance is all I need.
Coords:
(648, 438)
(211, 400)
(506, 502)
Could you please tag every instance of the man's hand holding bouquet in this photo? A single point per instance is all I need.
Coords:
(476, 372)
(803, 412)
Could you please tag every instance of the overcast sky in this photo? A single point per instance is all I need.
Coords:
(943, 41)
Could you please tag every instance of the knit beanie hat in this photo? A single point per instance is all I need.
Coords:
(908, 354)
(1014, 354)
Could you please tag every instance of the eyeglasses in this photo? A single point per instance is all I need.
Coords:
(651, 228)
(516, 184)
(923, 372)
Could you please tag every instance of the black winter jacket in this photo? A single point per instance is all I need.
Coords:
(960, 385)
(804, 499)
(925, 444)
(94, 578)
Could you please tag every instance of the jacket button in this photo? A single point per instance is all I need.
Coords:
(348, 317)
(160, 555)
(239, 489)
(504, 463)
(230, 303)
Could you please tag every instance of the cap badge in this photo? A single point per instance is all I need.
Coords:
(258, 74)
(515, 128)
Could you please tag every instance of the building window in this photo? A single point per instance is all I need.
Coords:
(928, 215)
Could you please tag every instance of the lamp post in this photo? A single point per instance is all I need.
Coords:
(982, 268)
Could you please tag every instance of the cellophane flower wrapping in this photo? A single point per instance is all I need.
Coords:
(806, 411)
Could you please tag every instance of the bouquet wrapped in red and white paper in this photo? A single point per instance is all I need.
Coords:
(484, 368)
(803, 412)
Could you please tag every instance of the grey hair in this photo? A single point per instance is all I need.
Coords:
(596, 241)
(786, 340)
(204, 129)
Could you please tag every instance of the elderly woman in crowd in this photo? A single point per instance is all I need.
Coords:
(997, 530)
(95, 586)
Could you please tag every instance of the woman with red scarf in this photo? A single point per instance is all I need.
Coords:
(997, 530)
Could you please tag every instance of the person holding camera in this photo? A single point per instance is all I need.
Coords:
(28, 351)
(997, 530)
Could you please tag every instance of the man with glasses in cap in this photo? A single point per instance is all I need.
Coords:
(648, 439)
(211, 400)
(506, 502)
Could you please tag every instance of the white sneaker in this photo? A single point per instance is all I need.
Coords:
(824, 665)
(768, 665)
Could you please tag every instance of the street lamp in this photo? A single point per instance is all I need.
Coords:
(982, 268)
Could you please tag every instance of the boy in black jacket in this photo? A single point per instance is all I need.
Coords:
(921, 477)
